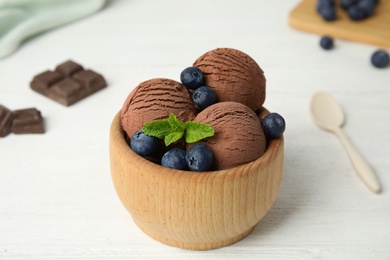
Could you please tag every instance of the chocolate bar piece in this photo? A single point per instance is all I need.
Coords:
(68, 83)
(6, 117)
(28, 121)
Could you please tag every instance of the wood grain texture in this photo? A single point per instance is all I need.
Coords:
(374, 30)
(194, 210)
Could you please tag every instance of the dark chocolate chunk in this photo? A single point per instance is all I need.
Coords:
(46, 79)
(68, 68)
(69, 83)
(28, 121)
(6, 117)
(65, 89)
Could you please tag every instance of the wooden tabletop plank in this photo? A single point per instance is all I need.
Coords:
(374, 30)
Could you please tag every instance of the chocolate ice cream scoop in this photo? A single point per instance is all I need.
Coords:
(156, 99)
(234, 76)
(238, 138)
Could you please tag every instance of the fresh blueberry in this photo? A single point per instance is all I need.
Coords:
(322, 3)
(319, 6)
(345, 4)
(203, 97)
(356, 13)
(199, 158)
(192, 77)
(328, 2)
(273, 125)
(380, 59)
(367, 5)
(326, 42)
(175, 159)
(328, 12)
(143, 144)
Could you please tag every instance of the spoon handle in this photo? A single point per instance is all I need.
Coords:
(363, 169)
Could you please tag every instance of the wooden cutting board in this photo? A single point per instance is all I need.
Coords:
(374, 30)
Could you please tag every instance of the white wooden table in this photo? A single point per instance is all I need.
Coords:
(57, 200)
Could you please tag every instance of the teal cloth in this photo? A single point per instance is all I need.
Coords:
(21, 19)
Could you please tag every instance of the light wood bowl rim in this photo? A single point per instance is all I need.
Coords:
(273, 146)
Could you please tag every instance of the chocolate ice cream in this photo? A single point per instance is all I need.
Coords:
(238, 138)
(234, 76)
(156, 99)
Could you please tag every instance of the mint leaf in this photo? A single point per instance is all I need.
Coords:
(176, 124)
(173, 137)
(197, 131)
(172, 130)
(157, 128)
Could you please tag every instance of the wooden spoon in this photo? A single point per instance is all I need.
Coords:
(327, 114)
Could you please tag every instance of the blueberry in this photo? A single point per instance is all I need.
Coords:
(328, 12)
(143, 144)
(192, 77)
(203, 97)
(380, 59)
(273, 125)
(322, 3)
(326, 42)
(328, 2)
(199, 158)
(356, 13)
(345, 4)
(319, 6)
(175, 159)
(367, 5)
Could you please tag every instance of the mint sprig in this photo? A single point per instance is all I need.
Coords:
(172, 130)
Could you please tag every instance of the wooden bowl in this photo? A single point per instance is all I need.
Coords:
(190, 209)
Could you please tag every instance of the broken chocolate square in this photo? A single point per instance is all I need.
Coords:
(89, 79)
(69, 68)
(69, 83)
(6, 117)
(28, 121)
(44, 80)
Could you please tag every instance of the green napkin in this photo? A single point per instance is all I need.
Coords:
(21, 19)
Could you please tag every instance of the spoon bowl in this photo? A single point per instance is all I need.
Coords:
(326, 112)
